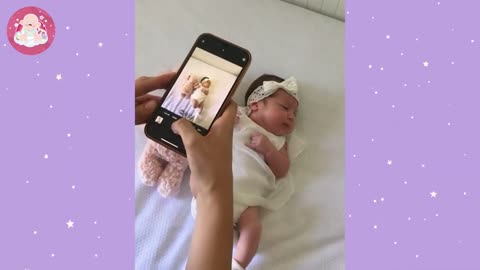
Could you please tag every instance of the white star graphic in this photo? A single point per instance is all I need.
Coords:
(100, 44)
(425, 64)
(70, 224)
(389, 162)
(59, 77)
(433, 194)
(68, 27)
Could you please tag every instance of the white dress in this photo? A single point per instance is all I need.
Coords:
(198, 95)
(254, 183)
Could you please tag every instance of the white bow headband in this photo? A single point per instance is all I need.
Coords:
(270, 87)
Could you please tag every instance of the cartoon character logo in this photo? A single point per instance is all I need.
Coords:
(31, 32)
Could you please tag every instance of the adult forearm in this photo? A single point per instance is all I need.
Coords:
(212, 240)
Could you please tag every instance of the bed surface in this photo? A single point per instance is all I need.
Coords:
(308, 232)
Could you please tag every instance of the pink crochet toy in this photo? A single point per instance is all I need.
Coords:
(188, 86)
(159, 165)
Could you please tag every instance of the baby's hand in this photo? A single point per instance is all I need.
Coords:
(237, 118)
(260, 143)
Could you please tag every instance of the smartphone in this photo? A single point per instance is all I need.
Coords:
(201, 90)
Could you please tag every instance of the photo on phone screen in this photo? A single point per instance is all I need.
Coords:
(201, 88)
(205, 82)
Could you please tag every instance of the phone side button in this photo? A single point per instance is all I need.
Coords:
(174, 145)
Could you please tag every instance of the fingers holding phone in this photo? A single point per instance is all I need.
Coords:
(145, 104)
(200, 91)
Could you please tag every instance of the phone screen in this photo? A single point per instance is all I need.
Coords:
(205, 82)
(202, 86)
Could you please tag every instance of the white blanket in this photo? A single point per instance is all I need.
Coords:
(308, 231)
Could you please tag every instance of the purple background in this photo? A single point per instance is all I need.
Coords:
(37, 194)
(443, 135)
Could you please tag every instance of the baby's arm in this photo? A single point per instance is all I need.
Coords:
(278, 161)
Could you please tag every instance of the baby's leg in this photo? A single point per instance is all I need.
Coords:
(194, 103)
(250, 229)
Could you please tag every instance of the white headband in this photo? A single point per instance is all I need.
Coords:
(270, 87)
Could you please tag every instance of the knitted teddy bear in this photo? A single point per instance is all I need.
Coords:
(159, 165)
(188, 86)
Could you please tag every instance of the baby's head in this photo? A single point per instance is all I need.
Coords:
(276, 112)
(205, 82)
(30, 22)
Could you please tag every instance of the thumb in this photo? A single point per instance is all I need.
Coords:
(185, 129)
(144, 111)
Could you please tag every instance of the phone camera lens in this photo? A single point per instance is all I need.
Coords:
(244, 59)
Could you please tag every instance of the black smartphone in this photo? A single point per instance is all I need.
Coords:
(201, 90)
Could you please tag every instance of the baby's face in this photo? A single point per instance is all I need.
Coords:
(30, 22)
(278, 113)
(206, 84)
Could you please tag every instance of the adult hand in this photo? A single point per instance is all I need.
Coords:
(210, 156)
(211, 182)
(145, 104)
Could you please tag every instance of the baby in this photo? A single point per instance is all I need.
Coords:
(31, 33)
(200, 93)
(260, 159)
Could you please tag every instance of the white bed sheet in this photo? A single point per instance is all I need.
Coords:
(308, 232)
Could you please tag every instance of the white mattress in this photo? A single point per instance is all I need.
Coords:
(308, 232)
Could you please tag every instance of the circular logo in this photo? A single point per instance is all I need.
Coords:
(31, 30)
